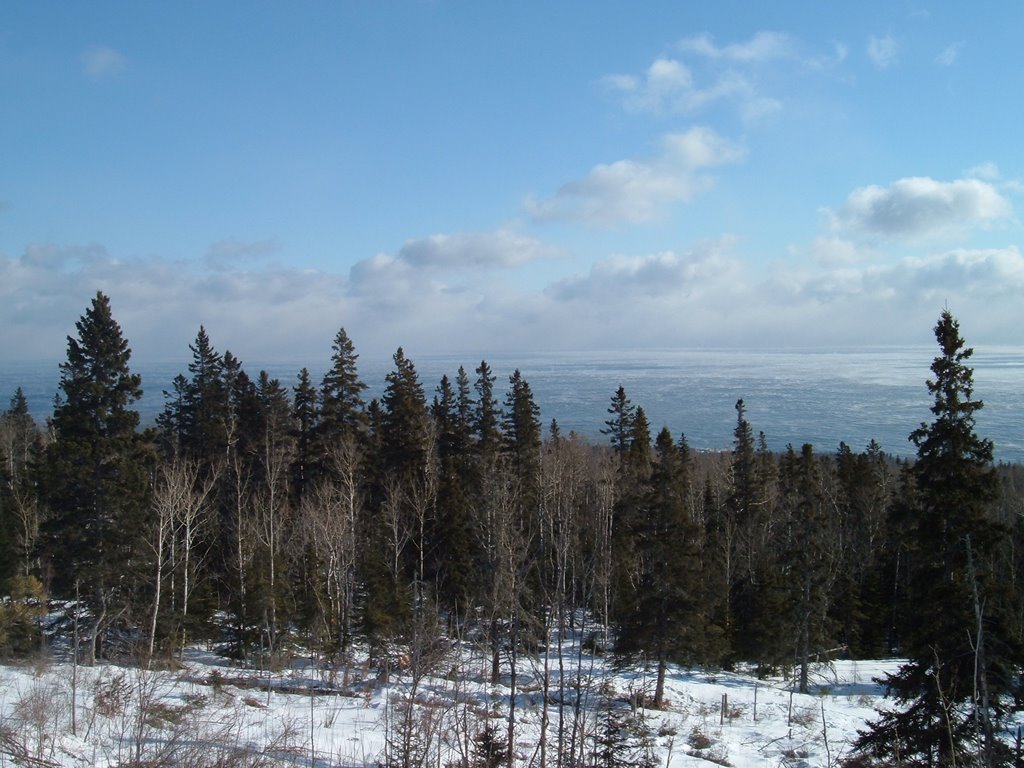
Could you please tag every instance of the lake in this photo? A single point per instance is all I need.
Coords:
(794, 397)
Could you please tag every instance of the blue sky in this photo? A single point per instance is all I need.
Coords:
(487, 178)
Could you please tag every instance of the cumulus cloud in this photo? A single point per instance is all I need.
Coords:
(443, 263)
(921, 207)
(101, 61)
(638, 191)
(883, 51)
(620, 277)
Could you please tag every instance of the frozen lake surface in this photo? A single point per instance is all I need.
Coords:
(794, 397)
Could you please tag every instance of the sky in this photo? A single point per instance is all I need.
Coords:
(509, 178)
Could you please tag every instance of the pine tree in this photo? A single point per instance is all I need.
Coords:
(95, 469)
(960, 655)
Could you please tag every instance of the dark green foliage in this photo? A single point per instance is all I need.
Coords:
(304, 427)
(404, 429)
(341, 403)
(658, 614)
(861, 608)
(487, 417)
(489, 749)
(619, 427)
(521, 430)
(741, 509)
(96, 468)
(450, 539)
(960, 655)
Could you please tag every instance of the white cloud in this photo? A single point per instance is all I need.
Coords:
(633, 191)
(625, 278)
(666, 85)
(883, 51)
(949, 54)
(670, 85)
(984, 171)
(101, 61)
(703, 296)
(921, 207)
(763, 46)
(474, 250)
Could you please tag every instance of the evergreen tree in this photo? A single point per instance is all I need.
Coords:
(401, 502)
(961, 658)
(813, 560)
(619, 427)
(404, 431)
(341, 403)
(96, 477)
(205, 402)
(741, 509)
(521, 427)
(660, 615)
(304, 419)
(860, 608)
(450, 537)
(487, 418)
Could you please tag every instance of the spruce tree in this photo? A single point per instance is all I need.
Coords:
(205, 402)
(487, 418)
(341, 402)
(96, 479)
(619, 426)
(521, 427)
(660, 616)
(961, 658)
(450, 538)
(304, 424)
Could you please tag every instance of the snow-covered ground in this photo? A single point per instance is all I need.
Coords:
(207, 711)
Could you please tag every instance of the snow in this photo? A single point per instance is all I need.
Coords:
(207, 710)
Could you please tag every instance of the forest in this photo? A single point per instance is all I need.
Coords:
(269, 519)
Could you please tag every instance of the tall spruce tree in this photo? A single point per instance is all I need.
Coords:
(96, 477)
(341, 402)
(521, 428)
(487, 418)
(304, 423)
(659, 616)
(961, 658)
(619, 426)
